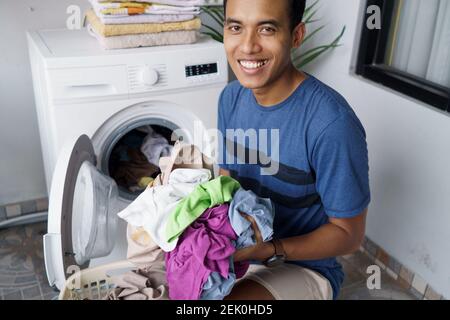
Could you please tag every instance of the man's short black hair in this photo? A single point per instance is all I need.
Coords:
(297, 9)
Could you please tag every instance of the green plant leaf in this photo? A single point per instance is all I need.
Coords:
(214, 16)
(309, 36)
(311, 21)
(309, 18)
(313, 50)
(309, 8)
(214, 36)
(215, 32)
(313, 53)
(307, 60)
(219, 12)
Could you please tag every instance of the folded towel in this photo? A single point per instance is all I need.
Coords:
(128, 4)
(146, 40)
(128, 29)
(130, 8)
(183, 3)
(145, 18)
(125, 8)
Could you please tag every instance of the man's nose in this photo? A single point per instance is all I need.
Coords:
(250, 44)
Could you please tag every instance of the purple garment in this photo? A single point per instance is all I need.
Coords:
(204, 247)
(240, 268)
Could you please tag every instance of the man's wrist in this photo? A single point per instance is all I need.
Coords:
(264, 251)
(259, 252)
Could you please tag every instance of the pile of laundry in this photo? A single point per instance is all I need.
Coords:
(134, 161)
(188, 225)
(119, 24)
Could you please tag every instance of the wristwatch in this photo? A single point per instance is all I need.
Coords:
(279, 257)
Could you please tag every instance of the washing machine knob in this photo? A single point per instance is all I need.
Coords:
(149, 76)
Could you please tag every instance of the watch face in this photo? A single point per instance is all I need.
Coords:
(275, 261)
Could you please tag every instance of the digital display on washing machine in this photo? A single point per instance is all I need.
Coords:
(201, 69)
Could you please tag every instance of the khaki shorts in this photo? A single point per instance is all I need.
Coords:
(291, 282)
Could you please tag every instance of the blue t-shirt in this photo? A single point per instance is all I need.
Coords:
(318, 169)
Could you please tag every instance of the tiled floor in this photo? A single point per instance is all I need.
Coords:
(22, 272)
(355, 282)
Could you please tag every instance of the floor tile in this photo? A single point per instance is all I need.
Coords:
(352, 274)
(15, 295)
(360, 261)
(31, 292)
(13, 211)
(419, 284)
(430, 294)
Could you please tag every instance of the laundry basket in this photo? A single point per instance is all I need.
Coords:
(94, 283)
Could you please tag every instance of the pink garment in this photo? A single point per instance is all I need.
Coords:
(204, 247)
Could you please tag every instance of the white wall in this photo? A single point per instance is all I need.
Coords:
(409, 149)
(21, 169)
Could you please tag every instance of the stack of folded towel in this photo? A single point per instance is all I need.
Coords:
(119, 24)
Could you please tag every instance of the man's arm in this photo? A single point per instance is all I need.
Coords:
(336, 238)
(223, 172)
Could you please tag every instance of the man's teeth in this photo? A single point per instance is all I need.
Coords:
(253, 64)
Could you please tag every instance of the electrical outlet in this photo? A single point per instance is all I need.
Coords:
(212, 3)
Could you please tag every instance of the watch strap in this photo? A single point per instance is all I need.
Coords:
(279, 250)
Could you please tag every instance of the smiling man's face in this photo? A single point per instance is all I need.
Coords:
(258, 40)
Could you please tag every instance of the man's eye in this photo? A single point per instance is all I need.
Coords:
(267, 30)
(234, 28)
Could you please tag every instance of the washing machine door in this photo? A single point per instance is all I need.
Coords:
(82, 214)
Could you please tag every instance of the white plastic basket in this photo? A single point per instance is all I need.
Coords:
(94, 283)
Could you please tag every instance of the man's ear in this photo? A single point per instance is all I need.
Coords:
(298, 35)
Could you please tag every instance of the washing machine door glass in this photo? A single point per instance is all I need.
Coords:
(94, 216)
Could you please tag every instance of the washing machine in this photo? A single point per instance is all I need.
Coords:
(88, 101)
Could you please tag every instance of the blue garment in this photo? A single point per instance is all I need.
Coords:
(258, 208)
(216, 287)
(313, 166)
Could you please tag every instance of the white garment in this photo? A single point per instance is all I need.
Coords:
(153, 9)
(155, 146)
(145, 18)
(184, 3)
(169, 9)
(153, 207)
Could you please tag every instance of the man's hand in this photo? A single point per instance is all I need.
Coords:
(260, 251)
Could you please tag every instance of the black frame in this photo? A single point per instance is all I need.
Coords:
(371, 57)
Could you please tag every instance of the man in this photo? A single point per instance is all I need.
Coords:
(320, 187)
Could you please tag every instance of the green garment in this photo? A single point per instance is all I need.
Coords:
(206, 195)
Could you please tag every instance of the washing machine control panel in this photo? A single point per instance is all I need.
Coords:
(205, 72)
(201, 69)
